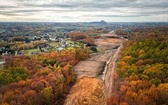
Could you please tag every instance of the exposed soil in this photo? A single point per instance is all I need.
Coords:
(86, 91)
(93, 74)
(94, 66)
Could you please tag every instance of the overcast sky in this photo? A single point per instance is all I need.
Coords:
(84, 10)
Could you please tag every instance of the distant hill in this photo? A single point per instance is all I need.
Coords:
(102, 22)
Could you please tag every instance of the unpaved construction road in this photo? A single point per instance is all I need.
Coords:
(95, 75)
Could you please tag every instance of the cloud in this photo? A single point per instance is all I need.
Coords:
(84, 10)
(6, 7)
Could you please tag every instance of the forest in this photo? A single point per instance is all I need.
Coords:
(42, 79)
(46, 78)
(142, 73)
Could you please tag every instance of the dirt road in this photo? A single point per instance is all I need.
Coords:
(96, 72)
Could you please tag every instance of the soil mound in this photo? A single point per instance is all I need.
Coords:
(86, 91)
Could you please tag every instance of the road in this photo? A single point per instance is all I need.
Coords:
(98, 71)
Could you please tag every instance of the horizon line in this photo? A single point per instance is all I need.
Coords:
(82, 22)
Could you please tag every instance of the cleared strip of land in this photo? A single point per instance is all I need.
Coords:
(94, 74)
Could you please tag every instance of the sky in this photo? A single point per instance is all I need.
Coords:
(83, 10)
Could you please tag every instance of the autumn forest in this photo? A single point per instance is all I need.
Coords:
(46, 77)
(142, 70)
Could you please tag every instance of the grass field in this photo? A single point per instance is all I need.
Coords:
(53, 44)
(28, 52)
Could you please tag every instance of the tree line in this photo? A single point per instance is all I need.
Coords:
(42, 79)
(142, 74)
